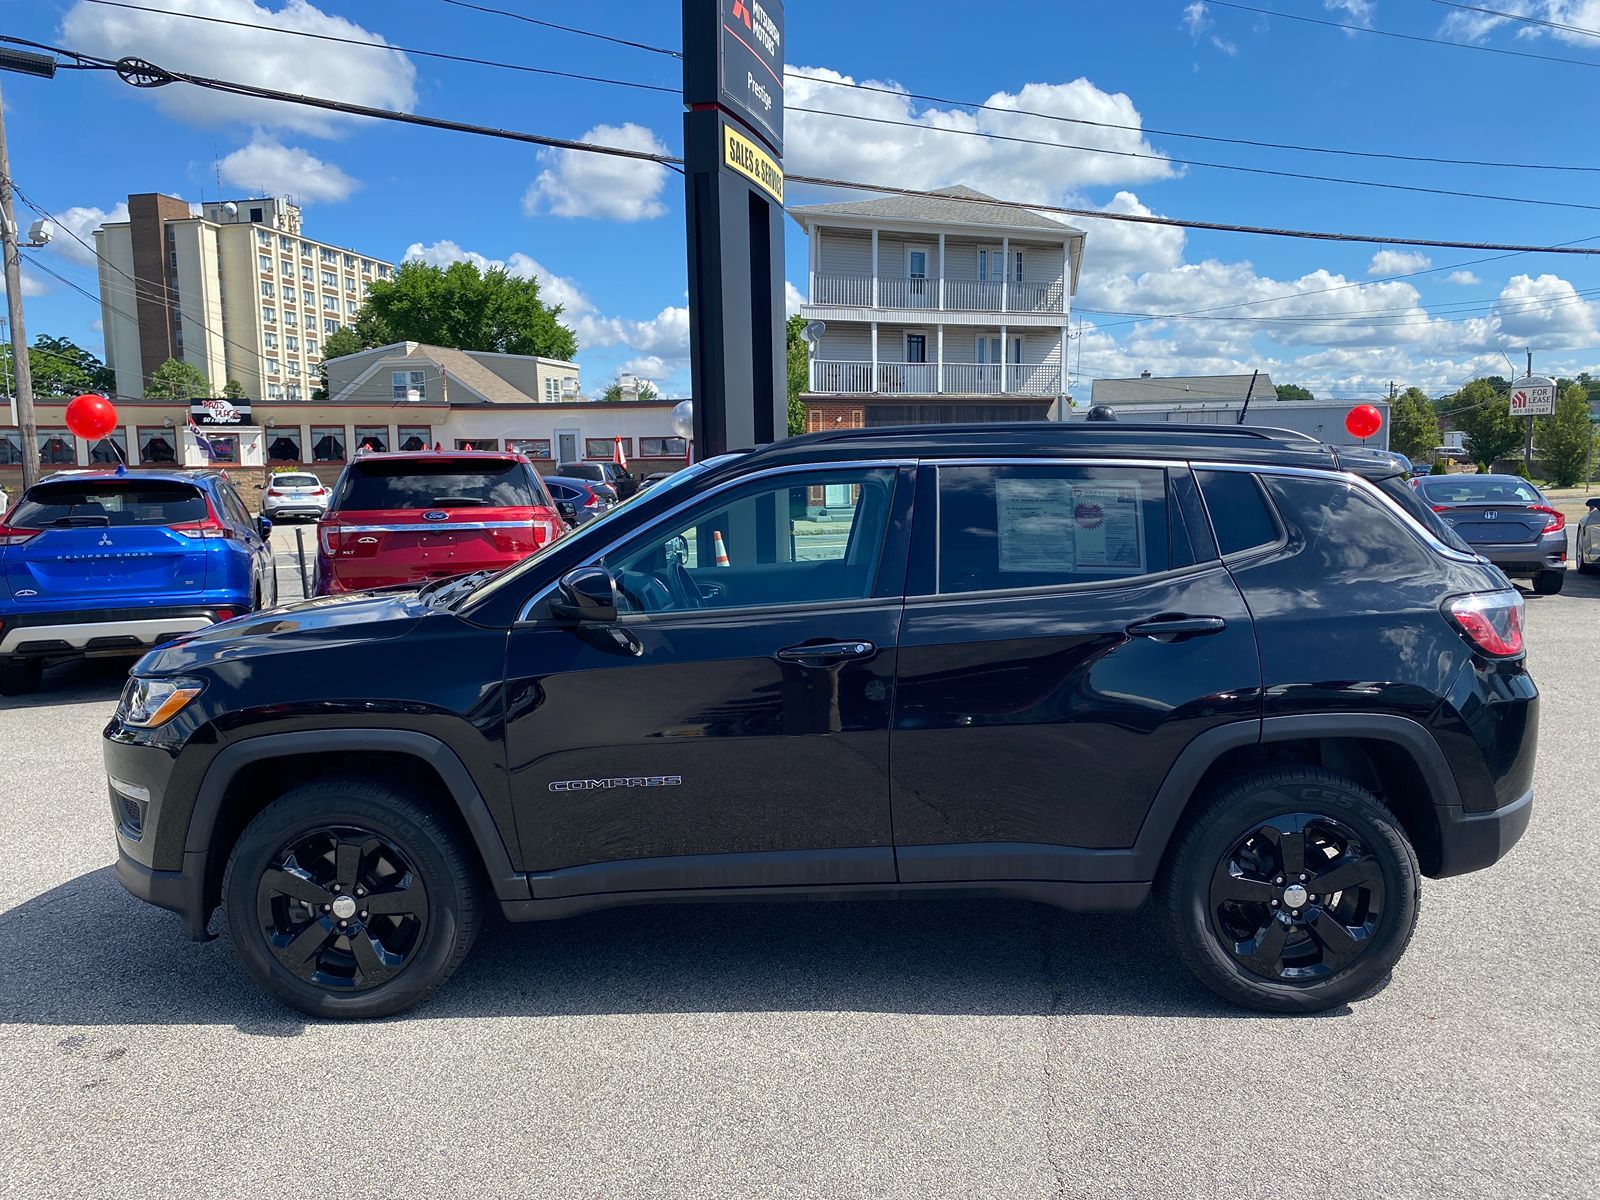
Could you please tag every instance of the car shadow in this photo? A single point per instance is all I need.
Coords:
(86, 954)
(76, 681)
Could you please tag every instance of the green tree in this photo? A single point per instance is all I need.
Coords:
(466, 309)
(177, 380)
(340, 342)
(613, 394)
(1292, 391)
(799, 372)
(233, 390)
(1413, 424)
(1566, 439)
(63, 368)
(1483, 415)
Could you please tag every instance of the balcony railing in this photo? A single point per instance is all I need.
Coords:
(850, 377)
(960, 295)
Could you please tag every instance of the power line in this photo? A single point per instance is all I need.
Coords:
(588, 33)
(1526, 20)
(1190, 162)
(1406, 37)
(865, 87)
(392, 48)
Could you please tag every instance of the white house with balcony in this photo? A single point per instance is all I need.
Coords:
(948, 307)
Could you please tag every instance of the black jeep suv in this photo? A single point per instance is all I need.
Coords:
(1074, 663)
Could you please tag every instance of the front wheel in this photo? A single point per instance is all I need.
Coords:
(347, 898)
(1587, 568)
(1291, 890)
(1548, 583)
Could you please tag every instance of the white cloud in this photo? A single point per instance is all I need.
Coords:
(664, 336)
(577, 184)
(1125, 247)
(1357, 11)
(30, 285)
(1398, 262)
(792, 299)
(83, 221)
(1546, 311)
(1580, 15)
(1465, 278)
(265, 166)
(1227, 47)
(376, 78)
(922, 157)
(1196, 18)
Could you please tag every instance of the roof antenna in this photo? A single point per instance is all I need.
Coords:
(1251, 391)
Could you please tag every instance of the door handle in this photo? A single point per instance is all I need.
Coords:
(1176, 628)
(826, 654)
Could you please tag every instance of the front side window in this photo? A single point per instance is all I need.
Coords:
(803, 538)
(1018, 526)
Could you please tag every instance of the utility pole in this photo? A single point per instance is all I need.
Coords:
(1527, 435)
(27, 429)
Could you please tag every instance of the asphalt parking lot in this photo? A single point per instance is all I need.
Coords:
(916, 1049)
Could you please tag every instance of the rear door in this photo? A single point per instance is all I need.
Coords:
(1063, 642)
(401, 521)
(99, 541)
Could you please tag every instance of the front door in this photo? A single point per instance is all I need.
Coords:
(1061, 646)
(732, 728)
(567, 446)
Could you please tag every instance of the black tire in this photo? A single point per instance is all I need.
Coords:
(1548, 583)
(1315, 968)
(376, 965)
(20, 676)
(1588, 568)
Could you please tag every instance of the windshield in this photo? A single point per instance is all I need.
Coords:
(449, 483)
(594, 536)
(113, 502)
(1479, 489)
(1403, 494)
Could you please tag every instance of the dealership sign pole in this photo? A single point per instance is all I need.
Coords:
(733, 185)
(1532, 396)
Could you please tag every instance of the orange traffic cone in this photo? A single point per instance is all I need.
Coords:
(720, 548)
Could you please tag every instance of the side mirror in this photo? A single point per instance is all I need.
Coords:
(264, 526)
(588, 597)
(568, 511)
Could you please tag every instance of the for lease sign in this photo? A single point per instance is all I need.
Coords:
(1533, 397)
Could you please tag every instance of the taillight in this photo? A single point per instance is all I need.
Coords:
(330, 538)
(1491, 621)
(224, 614)
(15, 537)
(209, 528)
(1441, 508)
(1555, 522)
(593, 501)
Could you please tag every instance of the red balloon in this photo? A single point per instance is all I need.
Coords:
(1363, 421)
(91, 417)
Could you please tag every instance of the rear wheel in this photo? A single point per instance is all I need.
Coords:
(1548, 583)
(1291, 890)
(349, 899)
(20, 676)
(1586, 568)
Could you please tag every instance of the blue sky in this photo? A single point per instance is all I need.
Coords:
(606, 237)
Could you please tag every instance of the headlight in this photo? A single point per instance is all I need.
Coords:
(147, 703)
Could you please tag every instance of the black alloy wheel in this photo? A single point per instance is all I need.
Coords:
(350, 898)
(342, 908)
(1290, 889)
(1297, 898)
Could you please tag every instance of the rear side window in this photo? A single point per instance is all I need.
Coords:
(1018, 526)
(460, 483)
(116, 503)
(1239, 511)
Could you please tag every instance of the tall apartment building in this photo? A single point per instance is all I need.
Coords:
(949, 307)
(238, 291)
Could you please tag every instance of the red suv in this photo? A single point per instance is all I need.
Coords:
(411, 517)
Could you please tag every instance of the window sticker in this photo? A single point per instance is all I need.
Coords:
(1056, 526)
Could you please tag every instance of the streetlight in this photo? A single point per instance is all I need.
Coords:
(41, 66)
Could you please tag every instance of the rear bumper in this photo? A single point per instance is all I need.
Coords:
(1525, 558)
(111, 631)
(1470, 841)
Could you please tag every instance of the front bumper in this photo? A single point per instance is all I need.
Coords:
(1470, 841)
(182, 892)
(105, 631)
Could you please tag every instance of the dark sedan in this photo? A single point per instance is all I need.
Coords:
(578, 500)
(1508, 521)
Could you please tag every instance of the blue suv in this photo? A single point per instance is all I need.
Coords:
(100, 563)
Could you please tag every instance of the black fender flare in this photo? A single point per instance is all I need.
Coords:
(1172, 798)
(509, 884)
